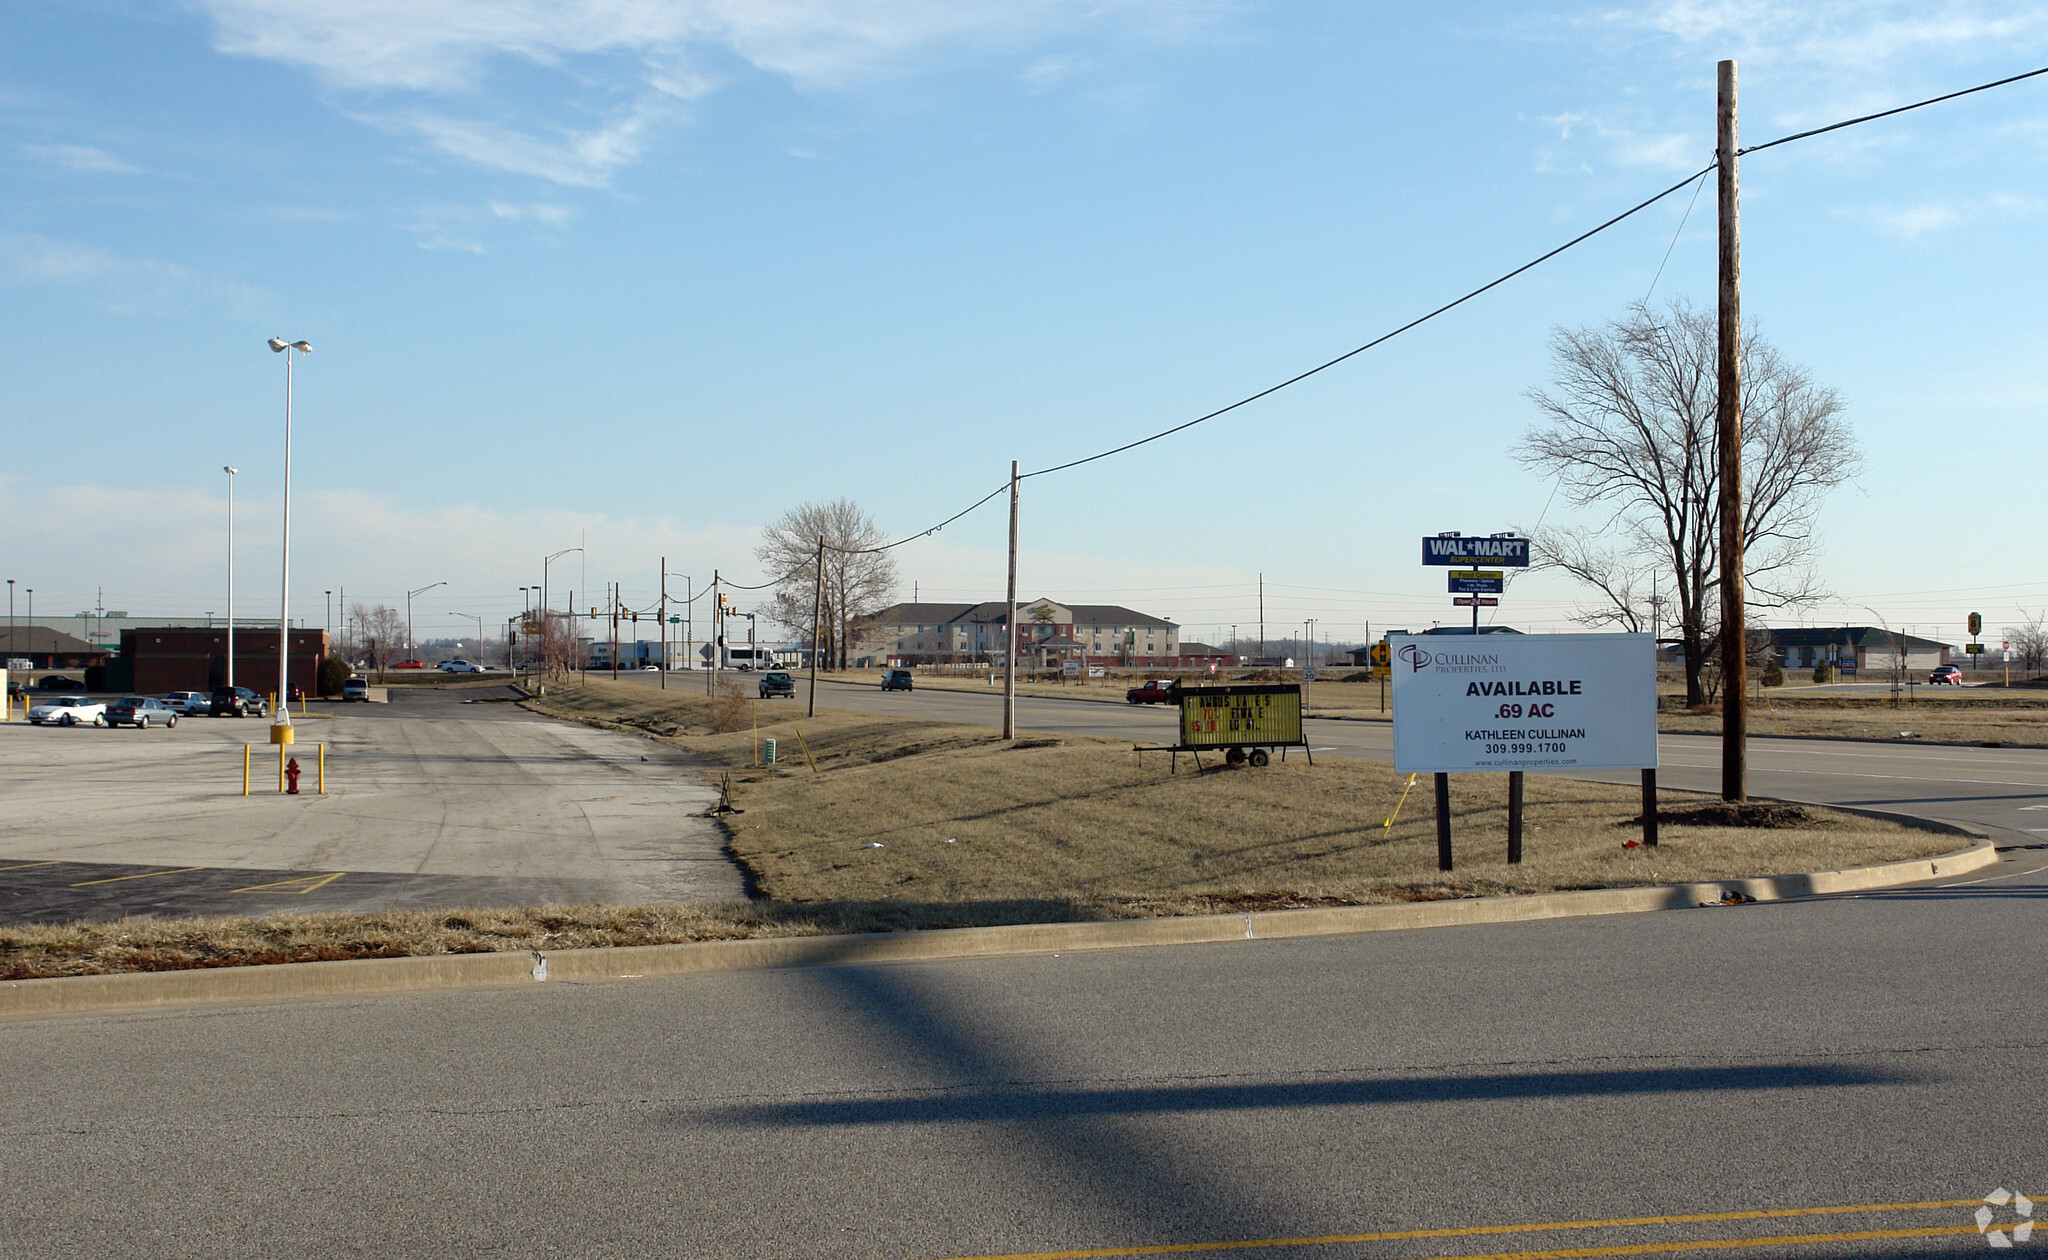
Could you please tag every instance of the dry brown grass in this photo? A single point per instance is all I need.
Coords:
(2010, 722)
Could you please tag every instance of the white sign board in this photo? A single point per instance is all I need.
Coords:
(1070, 669)
(1542, 702)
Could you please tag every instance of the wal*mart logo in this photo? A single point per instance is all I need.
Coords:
(1415, 656)
(1994, 1230)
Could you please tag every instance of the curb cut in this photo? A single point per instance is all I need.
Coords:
(279, 981)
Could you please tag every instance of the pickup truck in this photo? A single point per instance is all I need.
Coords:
(777, 684)
(1157, 691)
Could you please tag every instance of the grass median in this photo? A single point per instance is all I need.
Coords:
(882, 823)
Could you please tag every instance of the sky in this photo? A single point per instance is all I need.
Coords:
(639, 276)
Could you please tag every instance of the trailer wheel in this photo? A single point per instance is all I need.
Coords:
(1259, 757)
(1235, 756)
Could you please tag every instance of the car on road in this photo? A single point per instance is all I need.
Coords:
(237, 702)
(356, 688)
(777, 683)
(1155, 691)
(896, 680)
(187, 703)
(410, 665)
(141, 712)
(68, 711)
(1946, 675)
(460, 666)
(52, 682)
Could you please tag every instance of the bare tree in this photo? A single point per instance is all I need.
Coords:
(2029, 640)
(380, 632)
(1629, 429)
(858, 580)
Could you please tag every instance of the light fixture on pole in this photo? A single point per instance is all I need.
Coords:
(408, 617)
(283, 723)
(13, 649)
(544, 563)
(479, 629)
(230, 471)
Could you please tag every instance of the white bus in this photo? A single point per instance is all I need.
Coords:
(742, 657)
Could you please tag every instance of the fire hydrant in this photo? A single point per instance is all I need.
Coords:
(291, 777)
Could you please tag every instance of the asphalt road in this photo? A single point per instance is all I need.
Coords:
(1839, 1077)
(431, 803)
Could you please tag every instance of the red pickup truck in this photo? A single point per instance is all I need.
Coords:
(1157, 691)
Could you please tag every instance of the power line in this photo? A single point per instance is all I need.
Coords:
(1851, 122)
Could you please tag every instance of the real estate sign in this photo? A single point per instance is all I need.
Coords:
(1241, 716)
(1543, 702)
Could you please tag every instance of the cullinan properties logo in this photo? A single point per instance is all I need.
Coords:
(1994, 1230)
(1415, 656)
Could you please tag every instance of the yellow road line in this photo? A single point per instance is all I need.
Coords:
(145, 875)
(1471, 1231)
(1727, 1244)
(26, 865)
(286, 884)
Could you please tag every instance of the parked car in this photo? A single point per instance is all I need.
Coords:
(1155, 691)
(777, 683)
(410, 665)
(237, 702)
(187, 703)
(141, 712)
(1946, 675)
(896, 680)
(460, 666)
(356, 688)
(68, 711)
(52, 682)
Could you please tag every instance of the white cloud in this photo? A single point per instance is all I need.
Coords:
(1916, 221)
(124, 285)
(80, 157)
(538, 212)
(651, 52)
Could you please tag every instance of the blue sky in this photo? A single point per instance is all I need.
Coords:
(643, 274)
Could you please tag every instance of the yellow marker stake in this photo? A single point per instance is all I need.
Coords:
(1388, 825)
(245, 768)
(323, 768)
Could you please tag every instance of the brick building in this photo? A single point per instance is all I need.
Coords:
(194, 658)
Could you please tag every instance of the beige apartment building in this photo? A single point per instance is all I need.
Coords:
(1048, 632)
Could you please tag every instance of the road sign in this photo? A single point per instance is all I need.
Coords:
(1381, 654)
(1976, 625)
(1477, 582)
(1308, 675)
(1548, 702)
(1240, 716)
(1070, 669)
(1973, 648)
(1454, 549)
(1476, 601)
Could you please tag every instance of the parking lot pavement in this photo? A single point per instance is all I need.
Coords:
(431, 801)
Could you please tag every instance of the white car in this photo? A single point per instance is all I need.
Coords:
(188, 703)
(460, 666)
(68, 711)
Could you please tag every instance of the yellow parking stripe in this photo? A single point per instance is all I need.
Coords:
(145, 875)
(1622, 1222)
(285, 885)
(27, 865)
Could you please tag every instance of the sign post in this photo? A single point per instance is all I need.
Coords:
(1556, 703)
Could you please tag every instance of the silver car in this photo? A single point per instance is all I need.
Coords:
(187, 703)
(140, 712)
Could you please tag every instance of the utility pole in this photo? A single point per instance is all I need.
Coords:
(817, 624)
(1262, 614)
(1010, 622)
(615, 631)
(717, 633)
(1728, 435)
(664, 623)
(1310, 667)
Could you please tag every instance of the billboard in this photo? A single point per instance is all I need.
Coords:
(1542, 702)
(1477, 582)
(1465, 552)
(1241, 716)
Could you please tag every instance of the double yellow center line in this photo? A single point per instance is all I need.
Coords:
(1570, 1253)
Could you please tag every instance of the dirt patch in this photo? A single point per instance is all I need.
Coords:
(1767, 814)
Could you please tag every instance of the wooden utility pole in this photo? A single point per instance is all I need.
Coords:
(615, 631)
(817, 625)
(1010, 622)
(664, 623)
(717, 634)
(1728, 435)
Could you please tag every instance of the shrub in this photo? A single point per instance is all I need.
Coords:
(332, 674)
(1774, 673)
(1823, 672)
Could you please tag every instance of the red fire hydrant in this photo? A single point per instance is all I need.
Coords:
(291, 777)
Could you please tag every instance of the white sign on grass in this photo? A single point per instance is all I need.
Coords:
(1544, 702)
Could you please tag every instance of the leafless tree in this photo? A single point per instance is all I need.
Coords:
(858, 581)
(380, 631)
(1629, 429)
(2029, 640)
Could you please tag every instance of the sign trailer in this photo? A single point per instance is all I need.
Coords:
(1556, 703)
(1241, 721)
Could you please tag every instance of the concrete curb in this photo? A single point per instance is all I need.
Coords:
(450, 971)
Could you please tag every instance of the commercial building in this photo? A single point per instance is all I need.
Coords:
(1857, 649)
(47, 648)
(1048, 632)
(187, 658)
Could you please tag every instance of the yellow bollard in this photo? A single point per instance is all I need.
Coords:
(245, 768)
(323, 768)
(280, 769)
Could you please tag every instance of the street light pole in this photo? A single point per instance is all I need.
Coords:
(547, 628)
(408, 616)
(230, 471)
(284, 594)
(479, 629)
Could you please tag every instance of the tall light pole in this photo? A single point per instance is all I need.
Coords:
(408, 617)
(479, 629)
(31, 625)
(230, 471)
(13, 648)
(547, 622)
(544, 563)
(284, 594)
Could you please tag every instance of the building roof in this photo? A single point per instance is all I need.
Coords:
(25, 639)
(1188, 648)
(919, 614)
(995, 610)
(1848, 636)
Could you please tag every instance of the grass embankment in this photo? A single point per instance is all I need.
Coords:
(908, 823)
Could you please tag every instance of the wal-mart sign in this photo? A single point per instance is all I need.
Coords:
(1454, 549)
(1545, 702)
